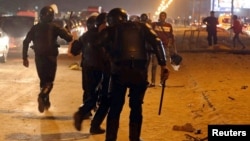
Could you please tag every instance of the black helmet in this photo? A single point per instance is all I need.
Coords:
(91, 22)
(144, 17)
(46, 14)
(117, 15)
(101, 18)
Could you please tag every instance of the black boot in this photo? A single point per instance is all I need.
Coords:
(134, 132)
(96, 130)
(43, 97)
(78, 118)
(43, 102)
(47, 102)
(98, 119)
(112, 129)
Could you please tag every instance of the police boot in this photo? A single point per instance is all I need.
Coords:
(78, 118)
(98, 119)
(96, 130)
(134, 132)
(95, 127)
(47, 103)
(43, 102)
(43, 98)
(112, 129)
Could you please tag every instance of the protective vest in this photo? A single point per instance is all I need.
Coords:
(129, 44)
(92, 56)
(44, 37)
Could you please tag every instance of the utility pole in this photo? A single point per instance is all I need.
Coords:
(193, 11)
(232, 13)
(232, 7)
(212, 6)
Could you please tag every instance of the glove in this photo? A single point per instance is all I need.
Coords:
(164, 73)
(26, 63)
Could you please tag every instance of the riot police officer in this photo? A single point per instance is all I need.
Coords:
(44, 37)
(125, 42)
(104, 98)
(144, 18)
(94, 63)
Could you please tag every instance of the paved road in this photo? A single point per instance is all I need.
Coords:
(215, 74)
(20, 119)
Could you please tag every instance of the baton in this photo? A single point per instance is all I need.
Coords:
(162, 94)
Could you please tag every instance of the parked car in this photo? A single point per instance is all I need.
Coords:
(4, 46)
(16, 27)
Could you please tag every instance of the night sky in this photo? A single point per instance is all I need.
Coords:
(132, 6)
(178, 8)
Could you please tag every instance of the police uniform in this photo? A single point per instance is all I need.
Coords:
(125, 42)
(44, 37)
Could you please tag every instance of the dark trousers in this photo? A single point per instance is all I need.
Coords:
(91, 79)
(46, 69)
(104, 102)
(136, 82)
(237, 38)
(212, 37)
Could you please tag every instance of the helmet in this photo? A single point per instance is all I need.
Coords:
(46, 14)
(91, 22)
(144, 17)
(117, 15)
(101, 18)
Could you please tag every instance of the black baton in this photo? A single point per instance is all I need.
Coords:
(162, 94)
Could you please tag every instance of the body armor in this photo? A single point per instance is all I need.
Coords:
(126, 42)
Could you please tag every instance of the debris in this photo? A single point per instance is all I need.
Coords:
(231, 98)
(198, 131)
(208, 101)
(192, 138)
(75, 66)
(244, 87)
(187, 127)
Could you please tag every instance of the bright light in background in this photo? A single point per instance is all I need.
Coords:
(162, 7)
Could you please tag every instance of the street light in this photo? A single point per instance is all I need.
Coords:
(163, 6)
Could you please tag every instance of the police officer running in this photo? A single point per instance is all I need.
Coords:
(125, 42)
(44, 37)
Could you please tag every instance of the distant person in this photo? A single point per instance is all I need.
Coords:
(237, 29)
(165, 32)
(44, 37)
(145, 19)
(211, 23)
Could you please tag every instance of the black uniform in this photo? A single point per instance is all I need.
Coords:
(94, 64)
(104, 98)
(211, 23)
(44, 37)
(125, 42)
